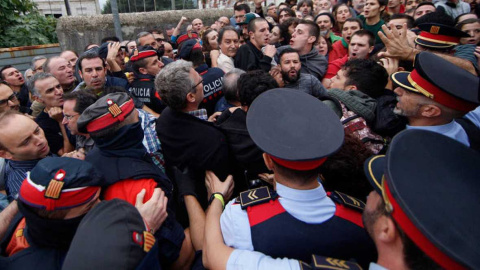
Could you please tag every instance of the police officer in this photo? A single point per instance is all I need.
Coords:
(436, 95)
(297, 132)
(417, 216)
(146, 65)
(113, 236)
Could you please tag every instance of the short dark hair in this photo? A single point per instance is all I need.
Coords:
(136, 65)
(3, 69)
(287, 50)
(300, 177)
(382, 3)
(457, 19)
(288, 10)
(196, 57)
(254, 83)
(410, 20)
(251, 25)
(367, 75)
(313, 29)
(90, 54)
(222, 32)
(242, 7)
(357, 20)
(370, 35)
(84, 98)
(112, 38)
(343, 171)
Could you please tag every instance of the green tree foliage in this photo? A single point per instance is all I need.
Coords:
(128, 6)
(22, 25)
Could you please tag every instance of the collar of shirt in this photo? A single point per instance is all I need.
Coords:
(301, 195)
(374, 266)
(200, 114)
(25, 164)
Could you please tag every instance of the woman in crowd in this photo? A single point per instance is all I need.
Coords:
(341, 12)
(210, 46)
(323, 46)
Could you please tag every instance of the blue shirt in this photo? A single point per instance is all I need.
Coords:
(310, 206)
(15, 173)
(453, 130)
(150, 139)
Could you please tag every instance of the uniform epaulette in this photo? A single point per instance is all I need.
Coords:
(304, 266)
(347, 200)
(319, 262)
(256, 196)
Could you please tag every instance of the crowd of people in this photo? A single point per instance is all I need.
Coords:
(251, 143)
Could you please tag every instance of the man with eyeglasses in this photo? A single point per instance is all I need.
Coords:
(74, 105)
(189, 141)
(8, 99)
(222, 22)
(11, 76)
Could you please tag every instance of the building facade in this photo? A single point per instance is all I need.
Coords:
(57, 8)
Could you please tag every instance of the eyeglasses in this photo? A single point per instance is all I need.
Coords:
(11, 98)
(194, 87)
(69, 117)
(160, 39)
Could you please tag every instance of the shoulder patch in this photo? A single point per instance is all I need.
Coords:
(319, 262)
(256, 196)
(347, 200)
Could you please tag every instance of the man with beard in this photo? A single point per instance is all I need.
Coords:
(303, 40)
(431, 99)
(289, 68)
(326, 21)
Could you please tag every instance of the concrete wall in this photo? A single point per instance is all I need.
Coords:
(20, 57)
(74, 33)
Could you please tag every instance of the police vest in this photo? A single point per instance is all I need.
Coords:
(144, 91)
(276, 233)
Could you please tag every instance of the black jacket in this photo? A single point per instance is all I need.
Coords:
(248, 58)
